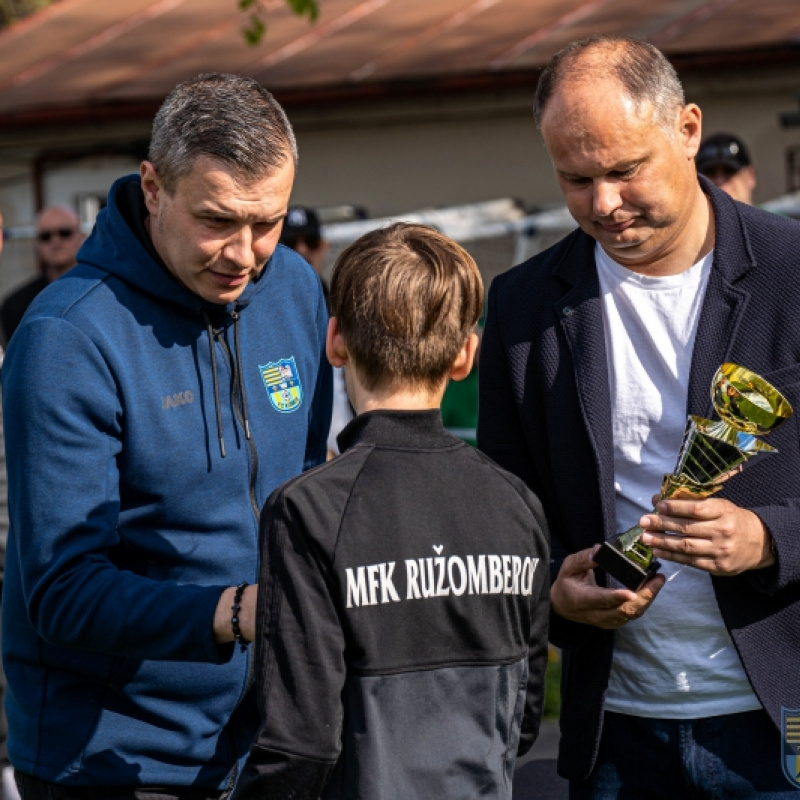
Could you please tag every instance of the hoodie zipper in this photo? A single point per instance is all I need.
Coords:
(238, 410)
(238, 405)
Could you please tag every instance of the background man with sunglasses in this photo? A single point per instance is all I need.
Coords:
(58, 237)
(7, 787)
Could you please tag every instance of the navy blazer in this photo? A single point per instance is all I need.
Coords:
(545, 415)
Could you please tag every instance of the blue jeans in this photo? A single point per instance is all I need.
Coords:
(717, 758)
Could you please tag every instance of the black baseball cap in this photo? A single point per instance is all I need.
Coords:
(722, 150)
(300, 223)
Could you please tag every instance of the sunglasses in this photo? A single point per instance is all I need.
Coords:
(311, 241)
(62, 233)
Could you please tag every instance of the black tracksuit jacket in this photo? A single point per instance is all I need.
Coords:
(402, 621)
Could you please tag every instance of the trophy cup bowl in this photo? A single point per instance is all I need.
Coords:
(710, 454)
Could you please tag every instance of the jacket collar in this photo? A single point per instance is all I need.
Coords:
(726, 299)
(733, 255)
(407, 429)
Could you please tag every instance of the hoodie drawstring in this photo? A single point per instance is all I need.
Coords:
(245, 417)
(215, 379)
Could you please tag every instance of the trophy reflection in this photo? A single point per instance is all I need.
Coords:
(710, 454)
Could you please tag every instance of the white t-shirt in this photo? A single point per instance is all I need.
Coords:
(677, 660)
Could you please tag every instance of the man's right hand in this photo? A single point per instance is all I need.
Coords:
(576, 596)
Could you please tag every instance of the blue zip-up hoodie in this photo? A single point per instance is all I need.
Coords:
(121, 389)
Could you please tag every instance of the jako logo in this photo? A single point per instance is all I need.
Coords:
(179, 399)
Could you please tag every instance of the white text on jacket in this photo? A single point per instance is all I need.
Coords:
(440, 576)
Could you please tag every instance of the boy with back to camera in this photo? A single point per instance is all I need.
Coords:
(402, 607)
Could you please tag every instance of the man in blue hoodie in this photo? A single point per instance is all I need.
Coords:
(154, 397)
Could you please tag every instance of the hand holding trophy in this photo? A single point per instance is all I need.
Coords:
(710, 454)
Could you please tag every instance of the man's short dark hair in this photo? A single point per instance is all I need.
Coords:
(642, 70)
(227, 117)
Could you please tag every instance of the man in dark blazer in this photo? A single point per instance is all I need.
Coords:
(622, 142)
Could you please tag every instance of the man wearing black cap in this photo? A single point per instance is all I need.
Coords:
(302, 232)
(724, 159)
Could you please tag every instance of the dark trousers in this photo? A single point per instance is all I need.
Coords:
(731, 757)
(31, 788)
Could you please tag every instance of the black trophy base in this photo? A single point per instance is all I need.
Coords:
(630, 575)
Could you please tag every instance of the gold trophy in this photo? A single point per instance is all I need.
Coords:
(710, 454)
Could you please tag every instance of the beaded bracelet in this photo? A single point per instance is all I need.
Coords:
(236, 608)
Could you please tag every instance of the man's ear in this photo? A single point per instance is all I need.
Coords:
(462, 366)
(151, 187)
(690, 128)
(335, 347)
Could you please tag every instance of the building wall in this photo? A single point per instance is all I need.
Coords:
(396, 157)
(393, 156)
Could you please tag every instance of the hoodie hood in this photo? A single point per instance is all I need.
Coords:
(120, 231)
(119, 244)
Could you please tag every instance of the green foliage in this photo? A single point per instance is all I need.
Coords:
(256, 27)
(11, 10)
(305, 8)
(253, 32)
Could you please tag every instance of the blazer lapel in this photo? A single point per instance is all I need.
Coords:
(724, 304)
(580, 313)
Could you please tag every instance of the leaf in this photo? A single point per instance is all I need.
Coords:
(256, 27)
(254, 32)
(305, 8)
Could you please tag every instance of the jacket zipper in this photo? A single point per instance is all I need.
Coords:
(237, 405)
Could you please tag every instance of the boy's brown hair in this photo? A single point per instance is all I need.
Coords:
(406, 299)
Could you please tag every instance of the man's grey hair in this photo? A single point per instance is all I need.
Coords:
(227, 117)
(642, 70)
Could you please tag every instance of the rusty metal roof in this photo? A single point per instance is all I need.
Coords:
(80, 59)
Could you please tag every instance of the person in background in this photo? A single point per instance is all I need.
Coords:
(8, 789)
(154, 397)
(58, 237)
(593, 353)
(302, 232)
(725, 160)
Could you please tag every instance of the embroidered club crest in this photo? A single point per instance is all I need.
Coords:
(283, 384)
(790, 757)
